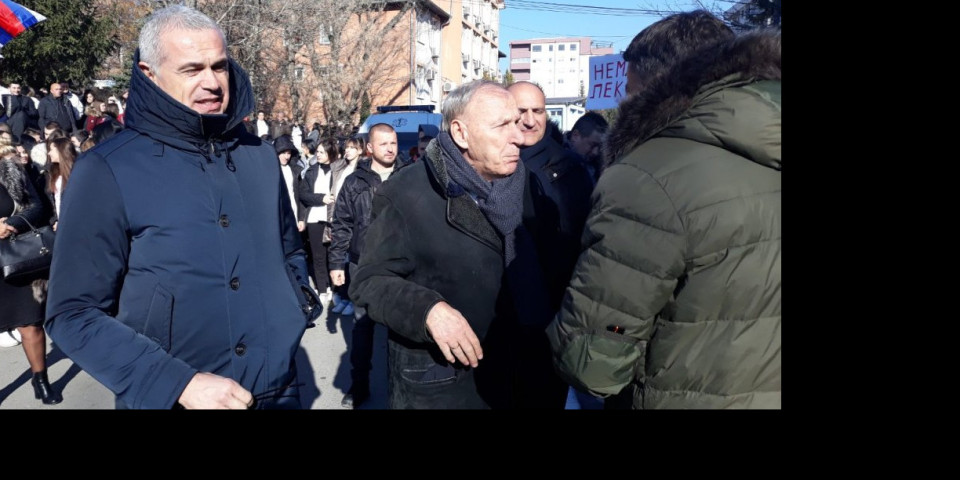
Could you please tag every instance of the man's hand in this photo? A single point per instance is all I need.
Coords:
(328, 199)
(454, 335)
(212, 392)
(337, 277)
(301, 226)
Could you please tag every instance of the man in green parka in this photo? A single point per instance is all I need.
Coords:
(675, 300)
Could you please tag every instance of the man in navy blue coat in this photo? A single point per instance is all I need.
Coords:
(179, 278)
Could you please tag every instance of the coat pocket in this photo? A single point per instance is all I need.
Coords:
(420, 368)
(159, 322)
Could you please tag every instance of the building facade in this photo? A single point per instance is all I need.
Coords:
(561, 66)
(456, 42)
(431, 49)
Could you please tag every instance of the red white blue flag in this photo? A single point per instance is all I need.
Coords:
(14, 19)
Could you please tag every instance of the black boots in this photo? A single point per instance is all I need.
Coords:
(43, 391)
(356, 396)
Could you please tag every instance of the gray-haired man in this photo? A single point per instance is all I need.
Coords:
(449, 266)
(187, 286)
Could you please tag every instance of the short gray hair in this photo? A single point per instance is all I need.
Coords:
(173, 17)
(457, 100)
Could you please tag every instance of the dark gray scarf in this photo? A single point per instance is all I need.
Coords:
(501, 200)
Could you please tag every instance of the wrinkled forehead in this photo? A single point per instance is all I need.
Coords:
(491, 105)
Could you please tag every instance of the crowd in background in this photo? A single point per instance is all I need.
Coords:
(673, 252)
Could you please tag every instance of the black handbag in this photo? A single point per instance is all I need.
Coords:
(26, 256)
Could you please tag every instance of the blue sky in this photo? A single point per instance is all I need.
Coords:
(518, 22)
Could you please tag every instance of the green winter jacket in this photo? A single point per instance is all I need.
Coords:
(676, 294)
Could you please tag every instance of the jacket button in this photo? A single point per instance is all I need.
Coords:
(240, 350)
(305, 308)
(235, 283)
(224, 221)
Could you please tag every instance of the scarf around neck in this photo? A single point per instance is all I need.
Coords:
(500, 200)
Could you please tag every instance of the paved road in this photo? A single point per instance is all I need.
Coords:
(323, 361)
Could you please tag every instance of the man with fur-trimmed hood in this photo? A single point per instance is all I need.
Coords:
(675, 300)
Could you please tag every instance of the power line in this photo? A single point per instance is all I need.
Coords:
(563, 34)
(583, 9)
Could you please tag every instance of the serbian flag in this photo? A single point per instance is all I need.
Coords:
(14, 19)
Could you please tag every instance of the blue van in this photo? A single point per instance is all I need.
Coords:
(406, 120)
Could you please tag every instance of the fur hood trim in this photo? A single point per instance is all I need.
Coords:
(751, 57)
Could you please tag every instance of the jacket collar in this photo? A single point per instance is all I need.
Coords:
(462, 211)
(154, 113)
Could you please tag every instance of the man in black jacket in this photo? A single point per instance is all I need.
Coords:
(351, 216)
(560, 187)
(54, 108)
(20, 111)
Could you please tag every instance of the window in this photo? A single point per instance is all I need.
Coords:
(561, 47)
(323, 37)
(298, 74)
(537, 48)
(550, 48)
(560, 81)
(573, 47)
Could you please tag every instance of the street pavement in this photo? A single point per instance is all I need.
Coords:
(323, 362)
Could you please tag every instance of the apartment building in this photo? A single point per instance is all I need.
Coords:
(459, 46)
(559, 65)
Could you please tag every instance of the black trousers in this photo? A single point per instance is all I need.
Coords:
(318, 250)
(361, 345)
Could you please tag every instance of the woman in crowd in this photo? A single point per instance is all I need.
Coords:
(22, 306)
(60, 158)
(88, 98)
(92, 116)
(340, 170)
(316, 197)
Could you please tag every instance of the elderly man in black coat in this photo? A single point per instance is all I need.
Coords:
(452, 267)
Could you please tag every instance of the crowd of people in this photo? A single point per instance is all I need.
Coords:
(632, 265)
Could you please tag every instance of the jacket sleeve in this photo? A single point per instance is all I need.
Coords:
(380, 284)
(43, 114)
(342, 226)
(294, 254)
(634, 255)
(307, 197)
(89, 264)
(31, 110)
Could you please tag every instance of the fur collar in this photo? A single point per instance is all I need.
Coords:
(751, 57)
(12, 177)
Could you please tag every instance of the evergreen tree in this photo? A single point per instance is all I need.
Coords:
(69, 45)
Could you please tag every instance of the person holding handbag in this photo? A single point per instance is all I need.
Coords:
(316, 196)
(22, 305)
